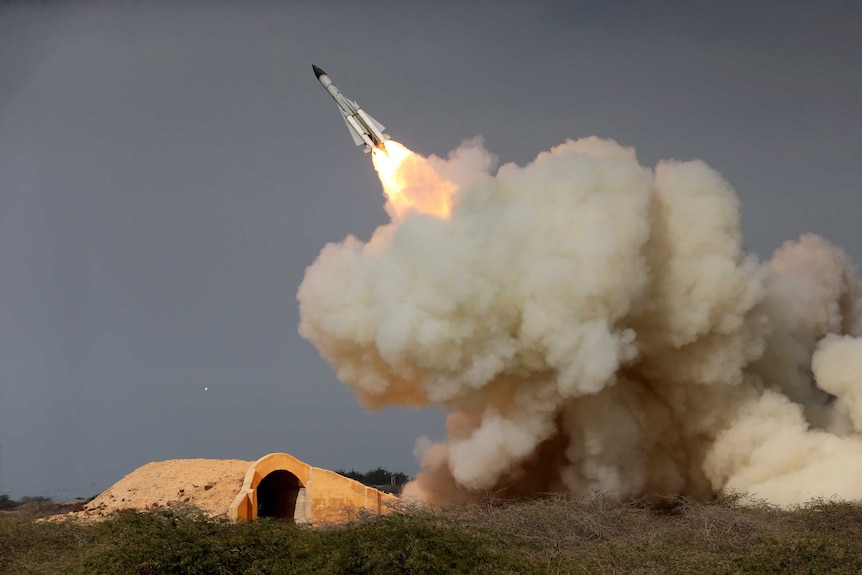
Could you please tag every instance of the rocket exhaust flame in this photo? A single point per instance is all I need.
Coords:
(411, 183)
(592, 324)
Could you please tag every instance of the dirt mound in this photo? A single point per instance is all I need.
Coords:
(210, 484)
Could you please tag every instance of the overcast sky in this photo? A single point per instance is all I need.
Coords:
(168, 171)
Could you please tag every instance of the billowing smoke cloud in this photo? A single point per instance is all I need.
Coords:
(592, 324)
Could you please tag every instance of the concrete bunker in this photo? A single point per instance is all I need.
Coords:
(279, 485)
(276, 485)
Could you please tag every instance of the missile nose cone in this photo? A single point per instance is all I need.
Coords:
(317, 71)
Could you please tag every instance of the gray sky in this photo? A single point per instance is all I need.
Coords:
(168, 170)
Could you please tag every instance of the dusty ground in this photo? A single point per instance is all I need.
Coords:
(210, 484)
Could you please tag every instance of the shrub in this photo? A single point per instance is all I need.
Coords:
(553, 535)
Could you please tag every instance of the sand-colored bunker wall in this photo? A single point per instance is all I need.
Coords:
(323, 496)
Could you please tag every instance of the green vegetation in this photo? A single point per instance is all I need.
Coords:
(376, 477)
(548, 536)
(6, 503)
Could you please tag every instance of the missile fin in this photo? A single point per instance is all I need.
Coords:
(377, 124)
(357, 139)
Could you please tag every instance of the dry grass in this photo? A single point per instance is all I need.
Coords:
(600, 534)
(554, 534)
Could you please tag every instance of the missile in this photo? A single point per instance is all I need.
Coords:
(365, 130)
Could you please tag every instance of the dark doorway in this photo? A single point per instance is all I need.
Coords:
(276, 495)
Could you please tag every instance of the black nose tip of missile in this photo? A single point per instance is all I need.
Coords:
(317, 71)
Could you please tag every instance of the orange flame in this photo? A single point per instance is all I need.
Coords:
(411, 183)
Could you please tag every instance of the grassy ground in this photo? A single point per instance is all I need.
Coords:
(553, 535)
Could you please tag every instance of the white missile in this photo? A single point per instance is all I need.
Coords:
(364, 129)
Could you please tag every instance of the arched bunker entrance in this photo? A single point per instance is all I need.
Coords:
(277, 496)
(279, 485)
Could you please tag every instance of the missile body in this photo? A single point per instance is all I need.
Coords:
(365, 130)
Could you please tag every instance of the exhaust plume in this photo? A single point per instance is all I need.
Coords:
(591, 324)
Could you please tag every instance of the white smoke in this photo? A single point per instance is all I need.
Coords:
(591, 324)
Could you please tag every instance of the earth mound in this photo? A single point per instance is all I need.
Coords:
(210, 484)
